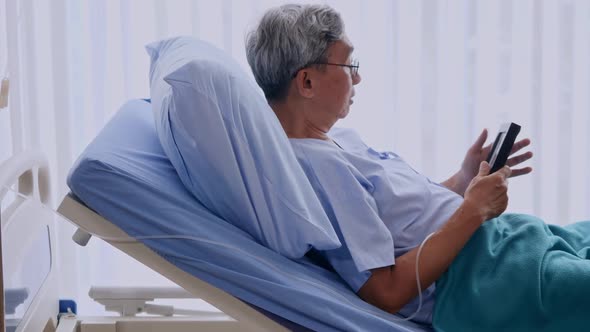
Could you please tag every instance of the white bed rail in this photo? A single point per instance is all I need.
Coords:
(23, 219)
(30, 170)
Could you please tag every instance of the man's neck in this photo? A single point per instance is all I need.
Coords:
(294, 120)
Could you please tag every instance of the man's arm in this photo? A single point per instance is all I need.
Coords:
(390, 288)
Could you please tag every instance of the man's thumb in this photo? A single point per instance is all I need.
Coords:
(484, 168)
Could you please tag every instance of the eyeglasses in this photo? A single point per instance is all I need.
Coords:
(354, 66)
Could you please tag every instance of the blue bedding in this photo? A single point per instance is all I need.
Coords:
(125, 176)
(517, 273)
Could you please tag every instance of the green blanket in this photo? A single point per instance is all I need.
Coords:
(518, 274)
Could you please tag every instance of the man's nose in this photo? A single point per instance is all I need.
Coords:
(356, 79)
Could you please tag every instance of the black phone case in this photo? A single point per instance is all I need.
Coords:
(505, 147)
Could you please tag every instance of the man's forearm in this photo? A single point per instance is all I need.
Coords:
(391, 288)
(456, 183)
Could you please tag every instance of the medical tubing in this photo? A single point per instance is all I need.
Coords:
(418, 277)
(137, 239)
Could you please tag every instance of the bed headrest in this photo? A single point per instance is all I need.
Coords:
(229, 148)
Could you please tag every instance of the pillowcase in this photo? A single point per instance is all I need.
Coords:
(230, 150)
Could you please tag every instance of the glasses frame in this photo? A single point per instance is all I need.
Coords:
(353, 66)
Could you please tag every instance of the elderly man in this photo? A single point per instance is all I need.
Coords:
(381, 209)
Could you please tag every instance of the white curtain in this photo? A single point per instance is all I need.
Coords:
(435, 73)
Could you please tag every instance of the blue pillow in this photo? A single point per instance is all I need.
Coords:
(229, 148)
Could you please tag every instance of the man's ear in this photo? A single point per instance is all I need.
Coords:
(304, 81)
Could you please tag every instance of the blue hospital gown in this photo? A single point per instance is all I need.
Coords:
(379, 206)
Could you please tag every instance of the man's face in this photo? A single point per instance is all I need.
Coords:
(335, 87)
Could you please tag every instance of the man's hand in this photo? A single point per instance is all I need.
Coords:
(478, 153)
(488, 193)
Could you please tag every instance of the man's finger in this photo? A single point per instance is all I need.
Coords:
(505, 172)
(487, 148)
(521, 171)
(481, 139)
(484, 168)
(519, 145)
(519, 159)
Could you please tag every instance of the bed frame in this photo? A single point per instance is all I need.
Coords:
(21, 220)
(30, 173)
(244, 316)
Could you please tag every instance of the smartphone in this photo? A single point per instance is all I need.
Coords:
(502, 146)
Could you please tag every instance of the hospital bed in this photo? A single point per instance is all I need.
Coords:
(123, 187)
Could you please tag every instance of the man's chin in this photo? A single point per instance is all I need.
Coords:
(344, 113)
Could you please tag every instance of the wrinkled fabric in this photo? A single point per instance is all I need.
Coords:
(517, 273)
(229, 148)
(380, 207)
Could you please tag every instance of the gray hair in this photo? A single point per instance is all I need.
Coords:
(287, 39)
